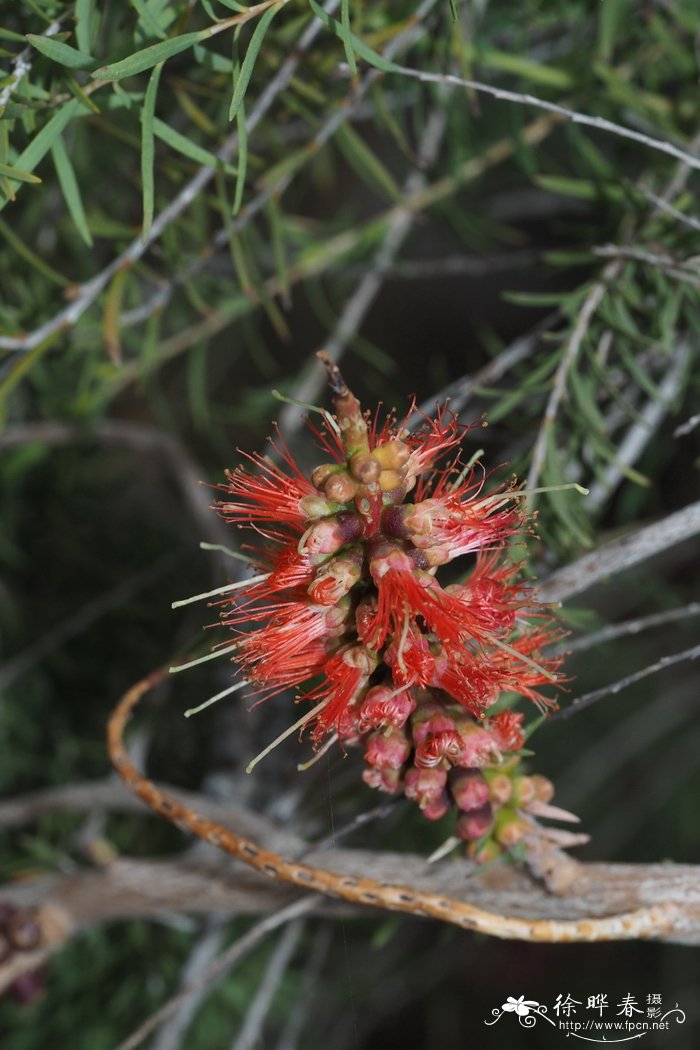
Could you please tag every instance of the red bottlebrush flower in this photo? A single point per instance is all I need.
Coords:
(347, 598)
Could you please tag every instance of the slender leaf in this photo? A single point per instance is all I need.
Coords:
(243, 79)
(148, 148)
(149, 23)
(242, 158)
(149, 56)
(70, 189)
(366, 163)
(18, 173)
(359, 46)
(347, 35)
(188, 148)
(84, 24)
(64, 54)
(112, 309)
(44, 139)
(34, 260)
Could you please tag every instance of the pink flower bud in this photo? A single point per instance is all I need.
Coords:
(468, 788)
(477, 747)
(475, 824)
(336, 578)
(437, 748)
(330, 534)
(388, 749)
(385, 707)
(425, 785)
(436, 810)
(430, 723)
(388, 780)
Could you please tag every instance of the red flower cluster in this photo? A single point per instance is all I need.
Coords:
(348, 596)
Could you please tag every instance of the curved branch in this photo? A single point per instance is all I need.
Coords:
(643, 922)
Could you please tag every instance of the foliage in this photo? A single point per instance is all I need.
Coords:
(196, 194)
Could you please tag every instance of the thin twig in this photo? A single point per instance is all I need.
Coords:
(300, 1011)
(644, 728)
(461, 390)
(641, 431)
(358, 304)
(599, 123)
(205, 949)
(22, 63)
(630, 627)
(570, 353)
(616, 687)
(688, 427)
(250, 1034)
(662, 204)
(221, 965)
(621, 554)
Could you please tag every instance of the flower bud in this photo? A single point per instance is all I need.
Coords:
(428, 721)
(468, 788)
(523, 791)
(475, 824)
(477, 748)
(388, 780)
(509, 828)
(329, 535)
(425, 786)
(544, 788)
(437, 748)
(500, 788)
(384, 706)
(390, 480)
(436, 810)
(321, 474)
(336, 578)
(387, 749)
(392, 455)
(485, 852)
(365, 468)
(316, 507)
(340, 488)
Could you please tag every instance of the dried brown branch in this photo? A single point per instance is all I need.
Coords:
(206, 883)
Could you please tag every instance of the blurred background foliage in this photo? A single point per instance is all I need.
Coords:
(185, 216)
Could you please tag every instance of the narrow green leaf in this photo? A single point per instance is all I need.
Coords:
(70, 189)
(248, 65)
(535, 72)
(84, 26)
(44, 139)
(347, 35)
(365, 162)
(272, 210)
(18, 174)
(38, 263)
(64, 54)
(359, 46)
(583, 189)
(148, 149)
(76, 90)
(148, 22)
(149, 56)
(610, 16)
(188, 148)
(242, 158)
